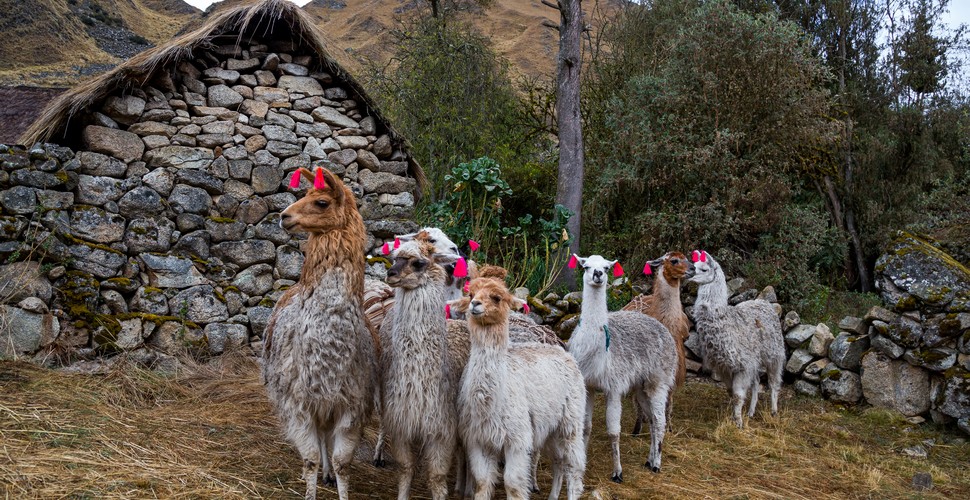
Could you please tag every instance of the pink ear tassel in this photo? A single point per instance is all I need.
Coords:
(295, 180)
(448, 311)
(473, 245)
(617, 270)
(386, 249)
(573, 262)
(319, 182)
(525, 308)
(703, 256)
(465, 288)
(397, 243)
(647, 269)
(461, 268)
(696, 256)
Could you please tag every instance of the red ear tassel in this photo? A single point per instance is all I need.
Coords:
(448, 311)
(617, 270)
(397, 243)
(696, 256)
(465, 288)
(461, 268)
(473, 245)
(573, 262)
(647, 269)
(525, 308)
(295, 180)
(386, 249)
(703, 256)
(319, 182)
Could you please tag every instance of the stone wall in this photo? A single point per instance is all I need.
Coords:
(162, 231)
(912, 356)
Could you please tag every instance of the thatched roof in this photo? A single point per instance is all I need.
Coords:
(265, 19)
(17, 107)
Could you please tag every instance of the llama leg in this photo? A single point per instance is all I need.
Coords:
(588, 423)
(534, 486)
(613, 412)
(638, 424)
(346, 436)
(573, 464)
(461, 471)
(438, 458)
(739, 388)
(304, 434)
(658, 427)
(517, 464)
(483, 469)
(326, 444)
(755, 386)
(379, 448)
(774, 382)
(403, 454)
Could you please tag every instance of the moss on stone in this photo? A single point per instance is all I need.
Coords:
(88, 244)
(120, 282)
(222, 220)
(267, 302)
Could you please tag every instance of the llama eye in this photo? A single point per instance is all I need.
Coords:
(419, 264)
(322, 203)
(432, 241)
(495, 298)
(675, 261)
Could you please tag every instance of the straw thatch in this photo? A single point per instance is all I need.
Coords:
(266, 19)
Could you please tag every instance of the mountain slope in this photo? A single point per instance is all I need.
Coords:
(362, 29)
(57, 42)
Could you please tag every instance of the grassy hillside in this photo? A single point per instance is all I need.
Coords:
(210, 433)
(56, 42)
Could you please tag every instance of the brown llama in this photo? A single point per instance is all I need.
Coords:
(319, 355)
(664, 306)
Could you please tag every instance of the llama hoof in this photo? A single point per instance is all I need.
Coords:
(329, 481)
(650, 466)
(534, 489)
(380, 463)
(617, 478)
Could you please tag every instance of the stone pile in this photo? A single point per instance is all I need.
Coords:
(163, 231)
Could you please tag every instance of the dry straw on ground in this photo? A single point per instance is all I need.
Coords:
(209, 433)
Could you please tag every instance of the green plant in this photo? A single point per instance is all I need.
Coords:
(529, 247)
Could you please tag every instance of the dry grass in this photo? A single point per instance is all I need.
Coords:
(209, 433)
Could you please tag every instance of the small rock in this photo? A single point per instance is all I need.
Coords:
(821, 339)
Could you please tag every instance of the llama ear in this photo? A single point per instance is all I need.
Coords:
(405, 237)
(521, 305)
(460, 305)
(319, 182)
(647, 268)
(695, 256)
(445, 259)
(617, 269)
(397, 243)
(703, 256)
(386, 249)
(473, 245)
(573, 261)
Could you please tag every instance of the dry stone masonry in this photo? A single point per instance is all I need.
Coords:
(162, 231)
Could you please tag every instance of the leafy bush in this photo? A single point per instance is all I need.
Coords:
(528, 246)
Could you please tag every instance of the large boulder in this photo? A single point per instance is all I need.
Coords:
(915, 274)
(120, 144)
(841, 386)
(24, 332)
(21, 280)
(895, 384)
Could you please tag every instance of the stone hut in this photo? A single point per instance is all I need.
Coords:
(162, 229)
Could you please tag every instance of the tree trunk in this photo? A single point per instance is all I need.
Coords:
(569, 186)
(434, 9)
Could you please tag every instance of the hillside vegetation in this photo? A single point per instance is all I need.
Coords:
(52, 42)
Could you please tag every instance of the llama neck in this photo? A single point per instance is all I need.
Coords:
(667, 295)
(341, 250)
(418, 308)
(714, 295)
(593, 311)
(487, 366)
